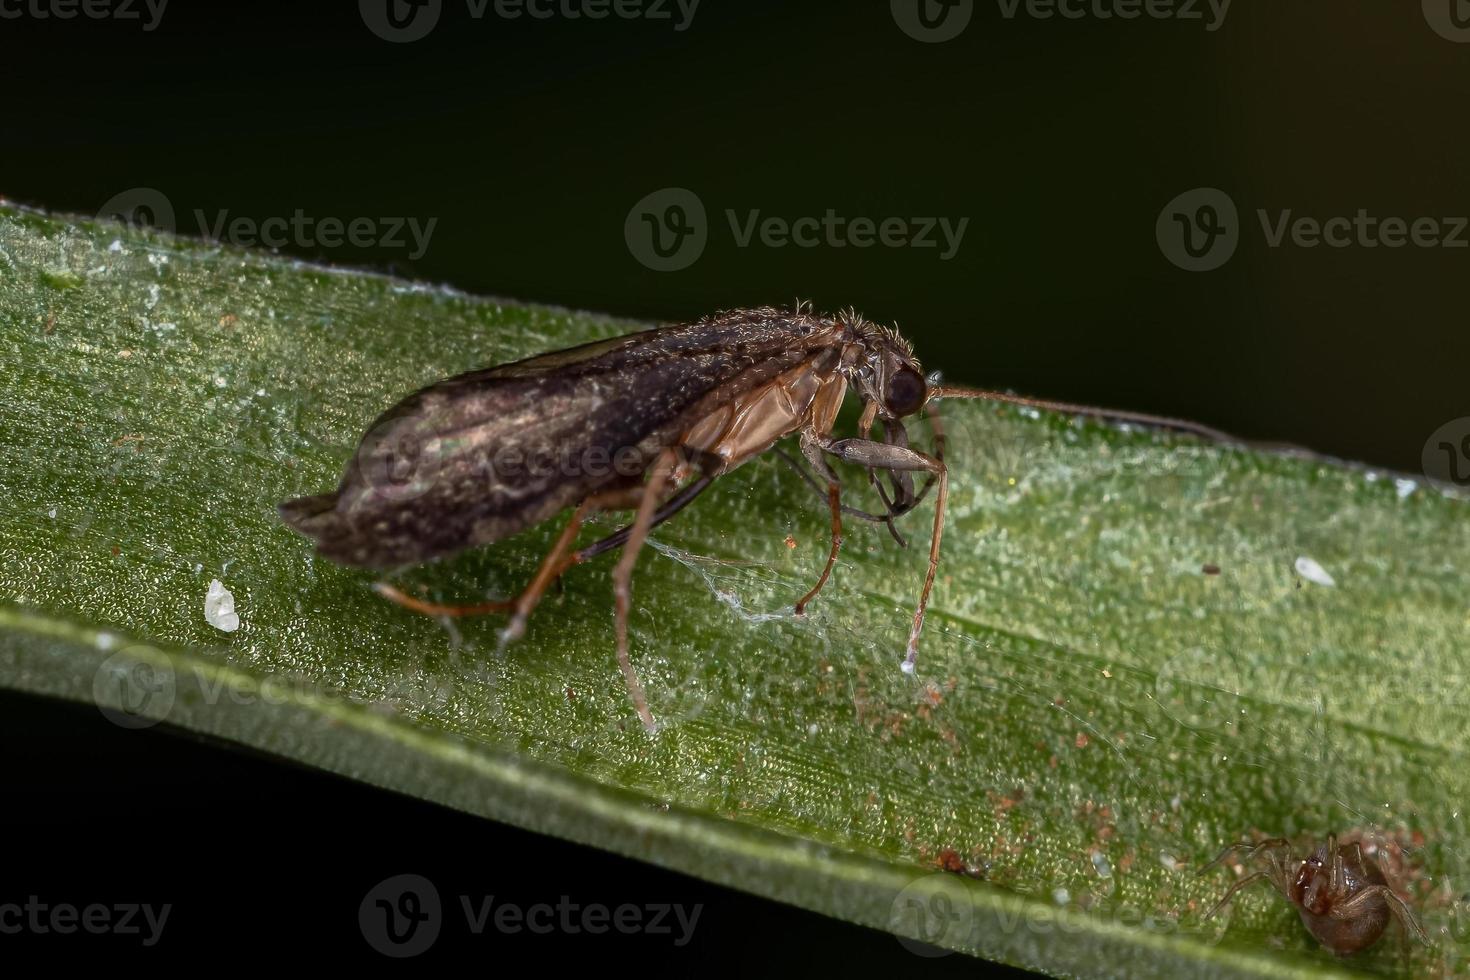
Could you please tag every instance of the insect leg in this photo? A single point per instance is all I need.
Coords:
(903, 484)
(555, 562)
(891, 509)
(811, 481)
(675, 504)
(811, 448)
(398, 597)
(552, 565)
(659, 473)
(558, 560)
(865, 452)
(936, 425)
(932, 414)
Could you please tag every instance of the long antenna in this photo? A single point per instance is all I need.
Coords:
(1092, 411)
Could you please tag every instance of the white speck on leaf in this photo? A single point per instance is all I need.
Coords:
(1405, 486)
(1101, 865)
(1308, 569)
(219, 607)
(1061, 896)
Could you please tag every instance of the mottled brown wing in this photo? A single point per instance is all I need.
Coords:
(477, 457)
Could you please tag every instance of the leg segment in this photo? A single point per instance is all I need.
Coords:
(811, 448)
(675, 504)
(1250, 879)
(865, 452)
(659, 474)
(555, 562)
(811, 481)
(1396, 905)
(1251, 851)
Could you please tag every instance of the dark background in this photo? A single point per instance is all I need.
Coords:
(531, 140)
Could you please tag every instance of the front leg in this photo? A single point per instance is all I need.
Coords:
(886, 456)
(811, 448)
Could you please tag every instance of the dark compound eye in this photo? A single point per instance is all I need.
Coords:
(905, 393)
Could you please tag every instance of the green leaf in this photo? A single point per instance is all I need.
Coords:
(1093, 717)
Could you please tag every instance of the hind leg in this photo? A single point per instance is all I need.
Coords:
(556, 561)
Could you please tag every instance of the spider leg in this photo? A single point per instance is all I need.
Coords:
(1251, 850)
(1249, 879)
(1335, 878)
(1396, 905)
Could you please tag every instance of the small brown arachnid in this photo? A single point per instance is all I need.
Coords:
(1344, 900)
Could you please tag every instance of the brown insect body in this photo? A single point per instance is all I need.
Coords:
(478, 457)
(642, 422)
(1344, 900)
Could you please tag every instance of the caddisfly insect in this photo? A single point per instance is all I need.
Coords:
(643, 422)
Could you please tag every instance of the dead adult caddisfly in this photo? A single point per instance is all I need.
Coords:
(643, 422)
